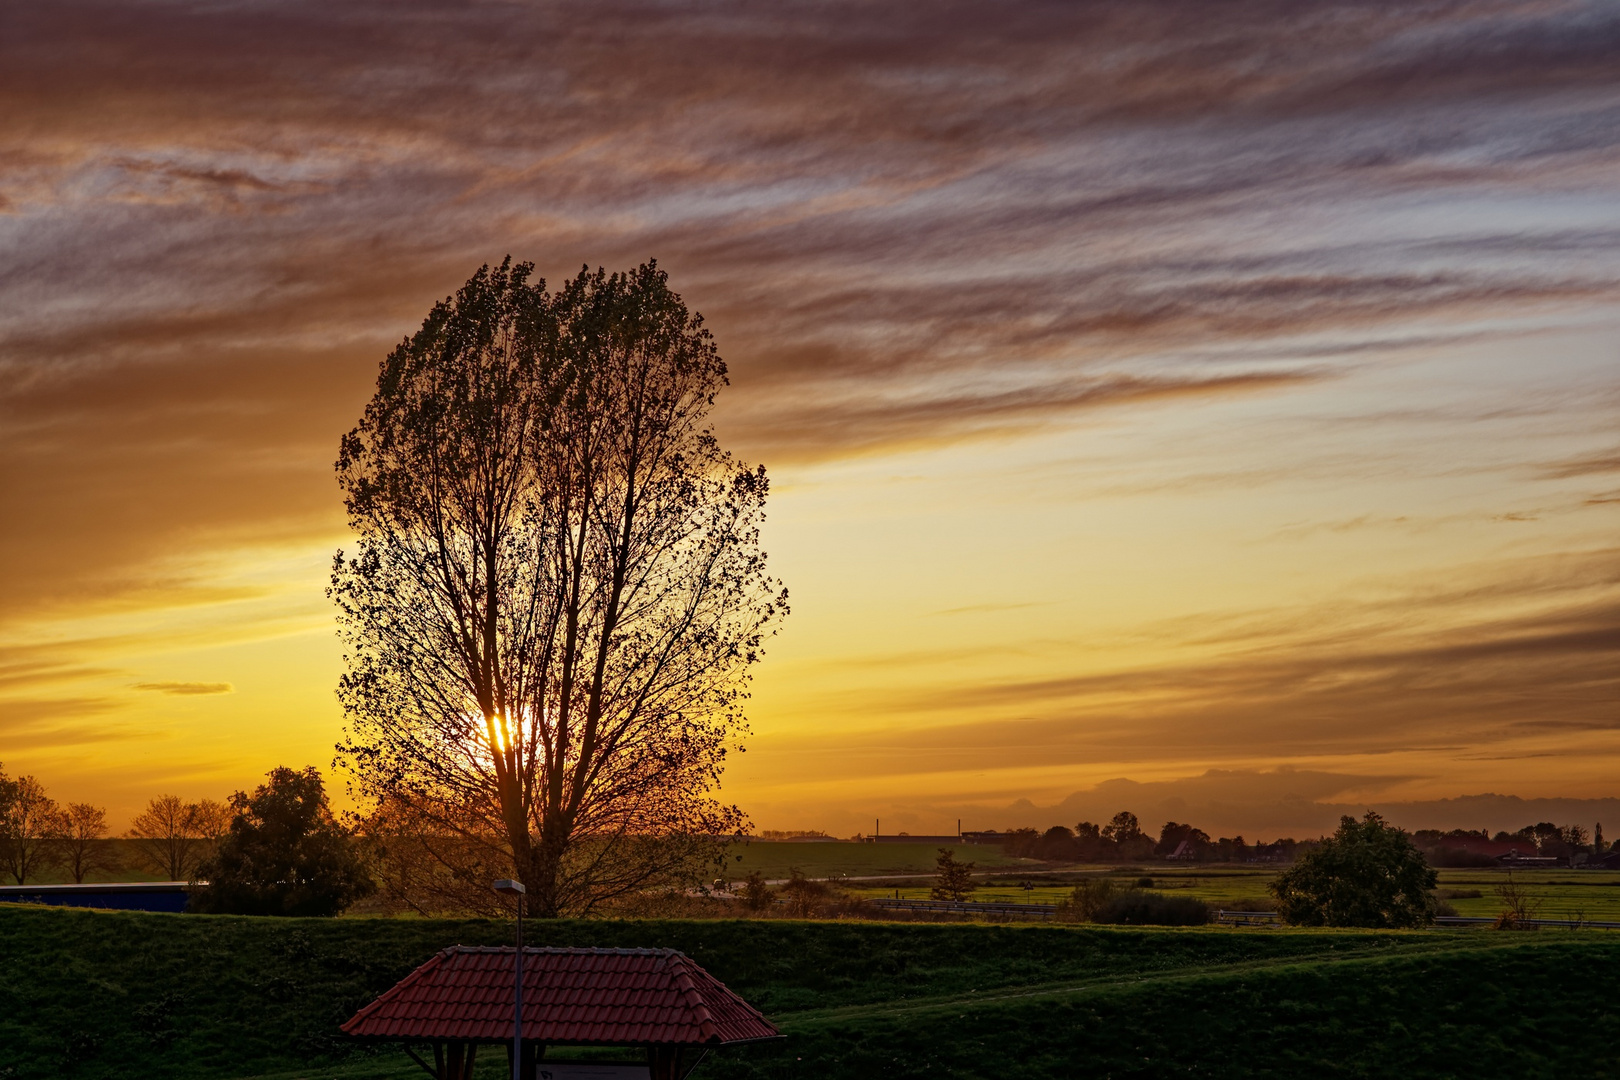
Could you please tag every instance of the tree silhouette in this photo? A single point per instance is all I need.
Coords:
(556, 594)
(952, 880)
(30, 826)
(285, 854)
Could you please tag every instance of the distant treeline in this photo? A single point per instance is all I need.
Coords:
(41, 838)
(275, 851)
(1123, 839)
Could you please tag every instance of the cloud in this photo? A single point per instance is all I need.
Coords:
(187, 689)
(1589, 465)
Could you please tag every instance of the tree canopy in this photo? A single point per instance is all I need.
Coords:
(1368, 873)
(285, 854)
(555, 597)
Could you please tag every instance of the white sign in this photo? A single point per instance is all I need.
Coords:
(590, 1070)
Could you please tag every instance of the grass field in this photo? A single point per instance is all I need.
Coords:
(775, 858)
(102, 995)
(1561, 894)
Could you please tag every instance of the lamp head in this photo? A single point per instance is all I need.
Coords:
(510, 887)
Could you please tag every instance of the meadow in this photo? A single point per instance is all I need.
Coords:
(905, 870)
(103, 995)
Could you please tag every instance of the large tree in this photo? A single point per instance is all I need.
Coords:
(556, 595)
(1368, 873)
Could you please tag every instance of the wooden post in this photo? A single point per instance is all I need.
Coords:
(458, 1060)
(664, 1062)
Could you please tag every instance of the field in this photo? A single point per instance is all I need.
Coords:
(775, 858)
(102, 995)
(1561, 894)
(904, 870)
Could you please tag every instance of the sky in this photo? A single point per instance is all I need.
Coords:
(1207, 410)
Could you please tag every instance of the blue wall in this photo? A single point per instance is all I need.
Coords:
(164, 897)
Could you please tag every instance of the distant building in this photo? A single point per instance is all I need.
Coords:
(1185, 852)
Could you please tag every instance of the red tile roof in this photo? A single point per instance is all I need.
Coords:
(570, 996)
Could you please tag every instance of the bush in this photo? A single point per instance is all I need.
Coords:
(1086, 900)
(801, 894)
(1135, 908)
(285, 854)
(755, 893)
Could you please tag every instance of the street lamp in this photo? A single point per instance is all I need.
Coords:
(516, 890)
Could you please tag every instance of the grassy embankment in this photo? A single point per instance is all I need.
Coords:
(94, 994)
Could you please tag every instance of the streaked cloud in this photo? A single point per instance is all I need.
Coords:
(187, 689)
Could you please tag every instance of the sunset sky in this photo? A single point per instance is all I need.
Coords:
(1210, 410)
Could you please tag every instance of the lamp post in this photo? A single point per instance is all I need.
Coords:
(516, 890)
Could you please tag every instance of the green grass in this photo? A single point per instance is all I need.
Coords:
(100, 995)
(775, 858)
(1562, 894)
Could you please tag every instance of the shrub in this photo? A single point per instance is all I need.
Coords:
(1144, 883)
(801, 894)
(1134, 908)
(755, 893)
(1086, 900)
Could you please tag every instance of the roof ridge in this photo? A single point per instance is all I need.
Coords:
(693, 996)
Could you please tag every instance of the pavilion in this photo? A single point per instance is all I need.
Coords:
(655, 1000)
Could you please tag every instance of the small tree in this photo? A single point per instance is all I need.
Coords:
(83, 849)
(953, 880)
(30, 825)
(756, 894)
(165, 836)
(285, 854)
(1519, 907)
(802, 894)
(1368, 873)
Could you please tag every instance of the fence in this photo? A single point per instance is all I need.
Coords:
(969, 907)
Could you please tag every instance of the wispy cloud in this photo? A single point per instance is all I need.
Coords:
(187, 689)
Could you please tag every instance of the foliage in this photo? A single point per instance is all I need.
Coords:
(1174, 834)
(284, 855)
(952, 880)
(1086, 900)
(755, 893)
(173, 836)
(1519, 905)
(1367, 874)
(82, 852)
(1135, 907)
(31, 826)
(1123, 829)
(557, 592)
(802, 894)
(197, 997)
